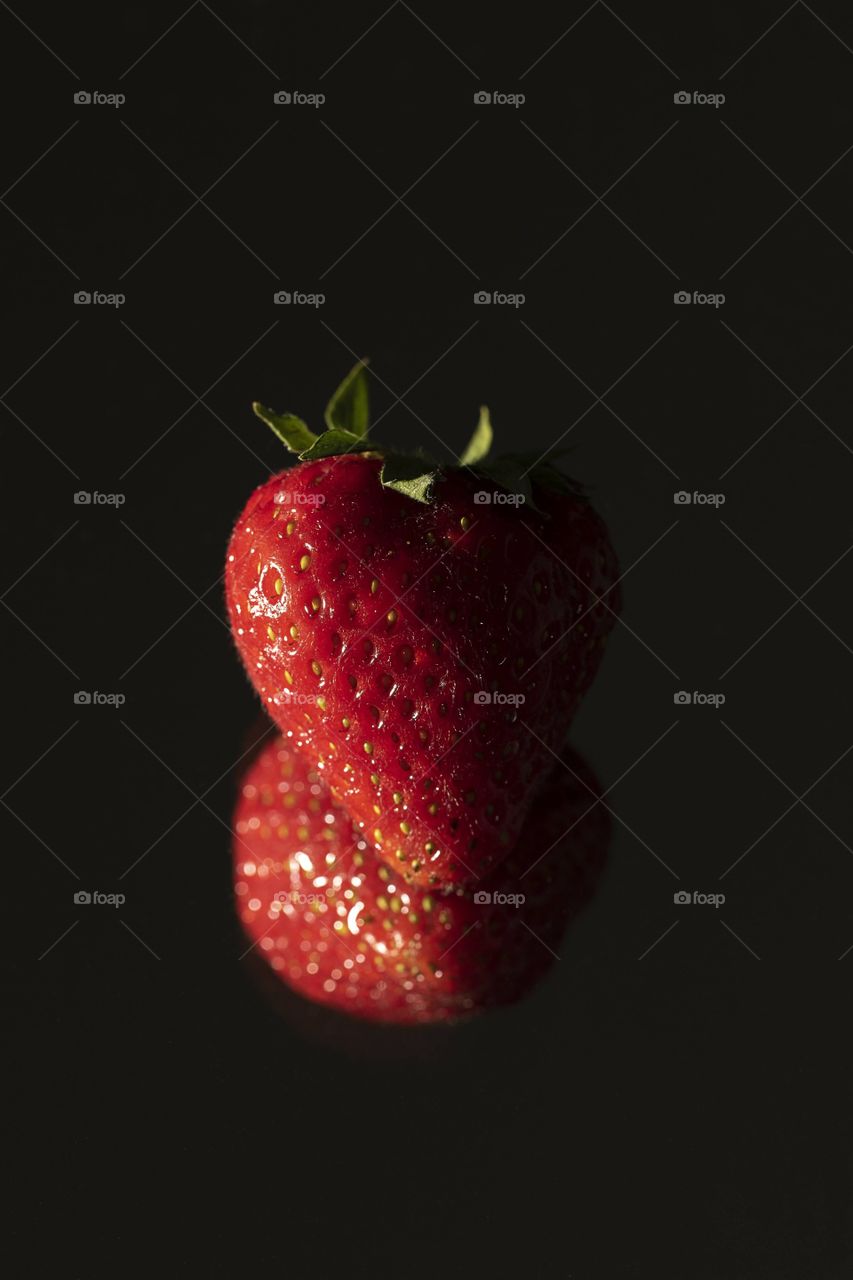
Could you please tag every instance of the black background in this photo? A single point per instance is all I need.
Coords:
(673, 1100)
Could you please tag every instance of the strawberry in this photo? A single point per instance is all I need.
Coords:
(337, 925)
(423, 636)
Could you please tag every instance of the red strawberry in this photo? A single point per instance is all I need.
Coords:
(423, 647)
(337, 925)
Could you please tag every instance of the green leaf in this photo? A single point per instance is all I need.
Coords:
(348, 409)
(412, 477)
(334, 441)
(551, 477)
(509, 474)
(480, 442)
(291, 430)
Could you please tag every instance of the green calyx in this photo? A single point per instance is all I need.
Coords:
(347, 419)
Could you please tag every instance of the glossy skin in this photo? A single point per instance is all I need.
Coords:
(339, 927)
(374, 627)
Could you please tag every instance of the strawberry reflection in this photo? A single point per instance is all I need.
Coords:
(338, 926)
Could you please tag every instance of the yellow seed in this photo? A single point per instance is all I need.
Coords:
(293, 632)
(384, 873)
(305, 562)
(368, 747)
(290, 527)
(374, 778)
(398, 797)
(433, 808)
(395, 904)
(346, 722)
(401, 855)
(466, 523)
(406, 829)
(429, 847)
(377, 835)
(427, 903)
(358, 859)
(374, 586)
(382, 903)
(315, 603)
(316, 668)
(321, 703)
(279, 586)
(392, 617)
(288, 677)
(377, 810)
(270, 633)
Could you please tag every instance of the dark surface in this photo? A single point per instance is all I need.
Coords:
(674, 1100)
